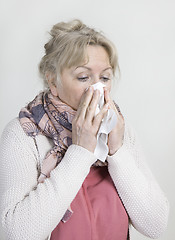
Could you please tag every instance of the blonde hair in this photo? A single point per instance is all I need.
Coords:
(67, 47)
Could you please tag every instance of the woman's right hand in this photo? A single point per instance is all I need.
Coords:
(84, 125)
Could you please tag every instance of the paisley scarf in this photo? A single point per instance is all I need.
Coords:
(49, 116)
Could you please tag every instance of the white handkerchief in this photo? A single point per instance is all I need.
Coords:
(108, 123)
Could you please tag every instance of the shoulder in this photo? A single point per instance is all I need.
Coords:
(15, 144)
(14, 138)
(14, 133)
(13, 127)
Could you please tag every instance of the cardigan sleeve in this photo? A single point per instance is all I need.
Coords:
(30, 210)
(142, 197)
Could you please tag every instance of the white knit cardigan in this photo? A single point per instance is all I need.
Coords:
(31, 211)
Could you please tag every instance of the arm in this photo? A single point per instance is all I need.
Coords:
(30, 210)
(143, 199)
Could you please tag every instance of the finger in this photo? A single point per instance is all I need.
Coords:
(113, 105)
(108, 99)
(98, 118)
(92, 106)
(106, 95)
(85, 100)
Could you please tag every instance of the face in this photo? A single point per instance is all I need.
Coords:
(75, 80)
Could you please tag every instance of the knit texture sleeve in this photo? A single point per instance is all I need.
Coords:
(30, 210)
(142, 197)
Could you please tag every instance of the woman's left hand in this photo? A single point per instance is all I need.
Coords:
(115, 137)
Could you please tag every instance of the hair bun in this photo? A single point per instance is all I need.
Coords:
(71, 26)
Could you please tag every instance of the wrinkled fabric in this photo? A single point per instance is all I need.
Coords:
(49, 116)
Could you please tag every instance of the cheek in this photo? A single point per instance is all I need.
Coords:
(76, 96)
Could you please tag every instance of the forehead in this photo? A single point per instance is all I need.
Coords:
(96, 59)
(97, 54)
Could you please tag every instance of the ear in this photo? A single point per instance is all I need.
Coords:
(51, 78)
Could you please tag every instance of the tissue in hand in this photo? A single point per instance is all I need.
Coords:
(107, 124)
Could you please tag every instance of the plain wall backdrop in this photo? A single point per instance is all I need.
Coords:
(144, 34)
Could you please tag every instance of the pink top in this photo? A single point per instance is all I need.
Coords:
(98, 213)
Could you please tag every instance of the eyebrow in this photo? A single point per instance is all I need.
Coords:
(91, 69)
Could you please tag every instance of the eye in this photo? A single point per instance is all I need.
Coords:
(83, 79)
(105, 79)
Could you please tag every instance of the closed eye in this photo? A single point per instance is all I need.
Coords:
(105, 79)
(83, 79)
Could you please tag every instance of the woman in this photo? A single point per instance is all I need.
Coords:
(53, 186)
